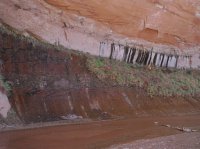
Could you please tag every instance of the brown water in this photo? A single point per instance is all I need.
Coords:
(95, 134)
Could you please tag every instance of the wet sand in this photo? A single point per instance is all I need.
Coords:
(95, 134)
(179, 141)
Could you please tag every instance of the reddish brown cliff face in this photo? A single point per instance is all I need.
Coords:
(48, 83)
(174, 22)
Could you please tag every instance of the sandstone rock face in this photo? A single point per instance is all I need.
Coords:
(4, 105)
(49, 84)
(175, 22)
(168, 26)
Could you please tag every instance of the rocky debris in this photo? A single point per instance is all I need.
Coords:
(71, 117)
(184, 129)
(4, 126)
(105, 116)
(179, 141)
(11, 121)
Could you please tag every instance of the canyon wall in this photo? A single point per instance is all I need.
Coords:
(159, 26)
(52, 84)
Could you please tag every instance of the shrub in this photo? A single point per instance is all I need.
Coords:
(157, 81)
(5, 84)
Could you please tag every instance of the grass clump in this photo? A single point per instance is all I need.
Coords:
(5, 84)
(112, 71)
(156, 82)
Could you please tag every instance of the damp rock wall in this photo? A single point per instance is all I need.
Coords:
(49, 84)
(142, 56)
(167, 27)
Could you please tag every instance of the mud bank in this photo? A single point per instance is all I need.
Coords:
(48, 83)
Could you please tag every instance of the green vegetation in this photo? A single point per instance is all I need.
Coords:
(156, 81)
(5, 84)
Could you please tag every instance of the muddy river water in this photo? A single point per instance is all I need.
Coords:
(95, 134)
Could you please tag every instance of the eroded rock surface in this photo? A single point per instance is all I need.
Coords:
(162, 24)
(48, 83)
(162, 21)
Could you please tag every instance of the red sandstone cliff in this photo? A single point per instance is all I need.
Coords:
(166, 26)
(175, 22)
